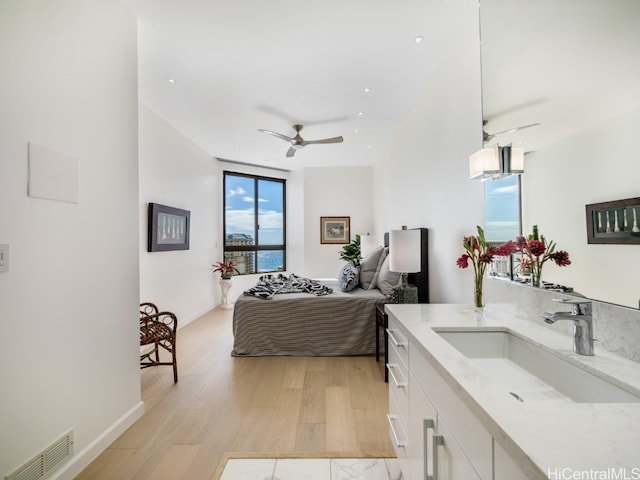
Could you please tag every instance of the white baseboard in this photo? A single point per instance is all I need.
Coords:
(82, 459)
(198, 314)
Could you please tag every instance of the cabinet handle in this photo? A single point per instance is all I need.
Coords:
(390, 368)
(394, 340)
(399, 443)
(438, 441)
(427, 424)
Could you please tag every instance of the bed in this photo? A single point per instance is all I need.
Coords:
(303, 324)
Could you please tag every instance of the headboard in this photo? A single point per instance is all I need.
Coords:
(420, 279)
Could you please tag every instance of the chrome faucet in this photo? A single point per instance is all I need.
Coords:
(582, 318)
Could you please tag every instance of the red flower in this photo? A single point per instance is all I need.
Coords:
(536, 247)
(536, 250)
(561, 258)
(463, 261)
(506, 249)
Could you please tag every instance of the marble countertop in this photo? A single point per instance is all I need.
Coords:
(545, 439)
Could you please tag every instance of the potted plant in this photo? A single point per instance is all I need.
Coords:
(351, 251)
(226, 268)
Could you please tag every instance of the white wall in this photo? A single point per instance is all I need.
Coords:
(423, 180)
(596, 165)
(175, 172)
(69, 304)
(334, 192)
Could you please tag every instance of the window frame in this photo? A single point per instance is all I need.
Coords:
(256, 248)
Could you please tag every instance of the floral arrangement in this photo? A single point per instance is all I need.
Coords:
(536, 250)
(480, 254)
(226, 268)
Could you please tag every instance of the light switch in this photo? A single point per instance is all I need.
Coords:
(4, 257)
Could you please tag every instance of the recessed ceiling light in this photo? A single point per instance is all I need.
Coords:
(171, 81)
(355, 130)
(366, 90)
(419, 39)
(360, 114)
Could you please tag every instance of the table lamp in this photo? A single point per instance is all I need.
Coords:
(405, 258)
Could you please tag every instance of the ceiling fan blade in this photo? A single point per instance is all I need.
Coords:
(276, 134)
(324, 140)
(512, 130)
(291, 152)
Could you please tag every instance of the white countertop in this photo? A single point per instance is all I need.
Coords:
(546, 439)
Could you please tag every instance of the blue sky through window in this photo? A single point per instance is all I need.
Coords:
(502, 209)
(240, 208)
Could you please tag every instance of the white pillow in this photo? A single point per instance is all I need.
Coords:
(369, 267)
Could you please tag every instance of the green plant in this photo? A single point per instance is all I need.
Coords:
(226, 268)
(351, 251)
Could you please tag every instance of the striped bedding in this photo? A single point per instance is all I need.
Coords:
(342, 323)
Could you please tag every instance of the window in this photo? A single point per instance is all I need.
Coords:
(502, 210)
(254, 222)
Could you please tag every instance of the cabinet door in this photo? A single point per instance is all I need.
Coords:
(450, 462)
(421, 431)
(504, 467)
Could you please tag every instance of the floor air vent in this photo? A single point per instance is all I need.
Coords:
(47, 461)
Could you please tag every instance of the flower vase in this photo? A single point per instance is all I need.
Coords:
(536, 277)
(478, 293)
(225, 287)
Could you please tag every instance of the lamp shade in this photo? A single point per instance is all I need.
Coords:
(516, 161)
(496, 162)
(404, 251)
(367, 244)
(484, 162)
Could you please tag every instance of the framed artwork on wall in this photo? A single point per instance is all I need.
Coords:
(168, 228)
(335, 230)
(616, 222)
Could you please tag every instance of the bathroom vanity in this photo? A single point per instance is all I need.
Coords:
(499, 395)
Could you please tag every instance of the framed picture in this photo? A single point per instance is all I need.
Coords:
(614, 222)
(335, 229)
(168, 228)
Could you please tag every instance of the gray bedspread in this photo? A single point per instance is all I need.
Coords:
(342, 323)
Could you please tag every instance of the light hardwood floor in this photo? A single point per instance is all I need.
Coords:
(225, 406)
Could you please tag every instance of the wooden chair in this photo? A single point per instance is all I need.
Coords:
(157, 330)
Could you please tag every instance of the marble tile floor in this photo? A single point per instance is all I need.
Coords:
(311, 469)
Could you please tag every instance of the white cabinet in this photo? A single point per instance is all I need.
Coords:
(422, 430)
(431, 427)
(504, 467)
(399, 395)
(432, 448)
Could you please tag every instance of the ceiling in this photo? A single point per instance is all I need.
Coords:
(220, 71)
(566, 65)
(237, 68)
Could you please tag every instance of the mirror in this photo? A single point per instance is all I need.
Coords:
(561, 80)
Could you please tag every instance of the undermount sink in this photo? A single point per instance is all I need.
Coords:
(529, 372)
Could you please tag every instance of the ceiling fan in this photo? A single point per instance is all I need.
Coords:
(487, 137)
(298, 142)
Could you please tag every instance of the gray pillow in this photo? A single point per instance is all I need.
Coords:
(368, 267)
(348, 277)
(387, 279)
(374, 281)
